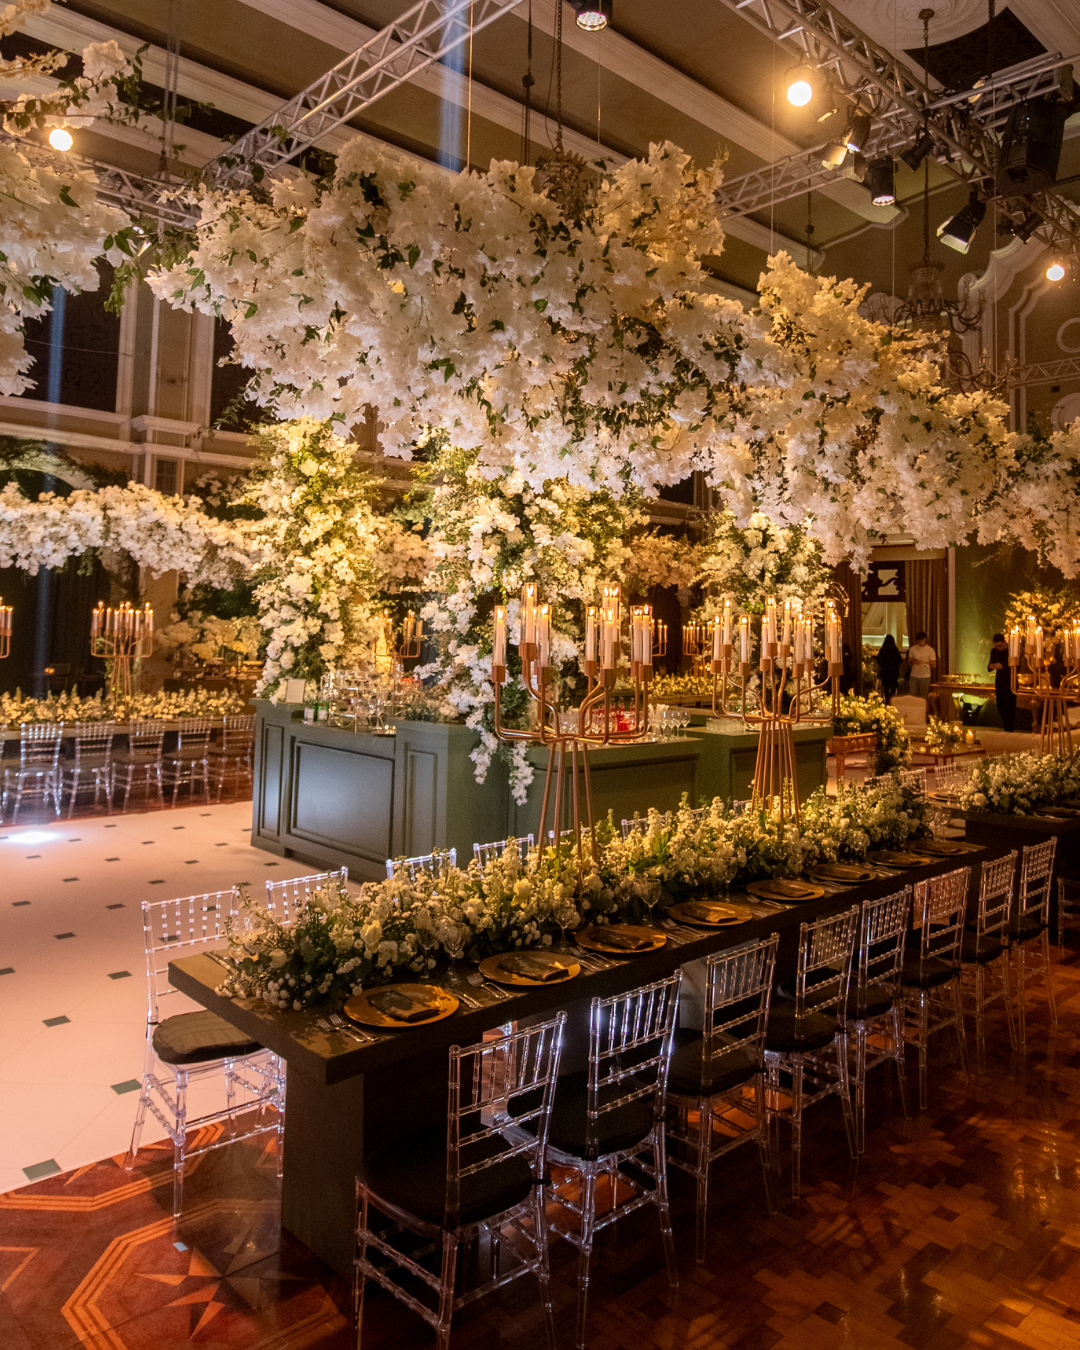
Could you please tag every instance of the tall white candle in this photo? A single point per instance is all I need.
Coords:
(590, 633)
(544, 635)
(727, 622)
(646, 636)
(716, 636)
(786, 635)
(744, 639)
(498, 656)
(1038, 644)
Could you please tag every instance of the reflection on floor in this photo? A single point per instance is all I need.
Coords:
(960, 1228)
(73, 973)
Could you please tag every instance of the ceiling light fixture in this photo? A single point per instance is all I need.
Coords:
(60, 138)
(914, 155)
(834, 154)
(1024, 229)
(800, 86)
(958, 231)
(880, 178)
(1055, 272)
(592, 15)
(859, 128)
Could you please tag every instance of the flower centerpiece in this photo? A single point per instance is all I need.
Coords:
(1016, 785)
(945, 737)
(860, 715)
(340, 942)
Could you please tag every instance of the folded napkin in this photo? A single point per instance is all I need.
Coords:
(626, 942)
(785, 887)
(521, 963)
(400, 1007)
(696, 910)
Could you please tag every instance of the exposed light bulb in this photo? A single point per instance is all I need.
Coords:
(1055, 272)
(800, 92)
(60, 138)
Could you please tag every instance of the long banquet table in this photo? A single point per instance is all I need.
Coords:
(345, 1099)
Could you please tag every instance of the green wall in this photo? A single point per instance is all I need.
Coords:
(986, 576)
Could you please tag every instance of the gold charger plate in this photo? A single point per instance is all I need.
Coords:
(492, 969)
(941, 848)
(950, 798)
(898, 858)
(605, 938)
(360, 1007)
(846, 874)
(788, 892)
(709, 913)
(1059, 812)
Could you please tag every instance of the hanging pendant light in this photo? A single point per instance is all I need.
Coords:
(592, 15)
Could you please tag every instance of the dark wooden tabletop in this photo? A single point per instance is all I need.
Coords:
(330, 1057)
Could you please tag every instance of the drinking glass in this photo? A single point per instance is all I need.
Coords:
(453, 935)
(565, 914)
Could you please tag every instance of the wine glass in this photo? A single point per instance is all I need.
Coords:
(426, 930)
(453, 935)
(565, 913)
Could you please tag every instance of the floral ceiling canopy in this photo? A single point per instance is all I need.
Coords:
(592, 351)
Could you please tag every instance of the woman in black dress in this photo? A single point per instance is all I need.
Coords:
(889, 660)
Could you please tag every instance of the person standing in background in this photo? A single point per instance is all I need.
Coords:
(1003, 694)
(889, 660)
(922, 659)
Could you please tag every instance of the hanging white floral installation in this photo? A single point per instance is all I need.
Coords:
(590, 351)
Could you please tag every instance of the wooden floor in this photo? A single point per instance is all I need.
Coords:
(960, 1228)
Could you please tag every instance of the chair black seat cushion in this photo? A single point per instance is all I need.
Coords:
(618, 1129)
(877, 1001)
(936, 973)
(785, 1036)
(1026, 931)
(728, 1070)
(198, 1037)
(411, 1174)
(786, 987)
(971, 953)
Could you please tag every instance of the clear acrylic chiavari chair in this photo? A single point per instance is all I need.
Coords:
(192, 1046)
(235, 752)
(284, 898)
(716, 1085)
(38, 774)
(486, 853)
(913, 778)
(984, 949)
(91, 761)
(611, 1115)
(640, 824)
(933, 1000)
(434, 864)
(470, 1178)
(806, 1053)
(951, 777)
(190, 762)
(875, 1005)
(1029, 932)
(141, 760)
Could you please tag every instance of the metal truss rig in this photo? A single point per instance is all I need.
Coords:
(424, 34)
(1044, 372)
(900, 105)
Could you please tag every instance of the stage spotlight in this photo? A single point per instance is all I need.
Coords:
(800, 86)
(914, 155)
(879, 179)
(1055, 272)
(959, 230)
(60, 138)
(859, 131)
(1031, 146)
(1025, 228)
(592, 15)
(833, 155)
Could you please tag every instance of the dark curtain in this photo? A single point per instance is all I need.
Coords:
(849, 584)
(927, 585)
(51, 628)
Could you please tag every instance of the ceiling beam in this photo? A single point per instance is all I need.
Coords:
(70, 31)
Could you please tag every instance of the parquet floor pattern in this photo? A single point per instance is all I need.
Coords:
(959, 1228)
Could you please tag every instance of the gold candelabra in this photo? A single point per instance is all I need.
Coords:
(5, 629)
(1026, 652)
(397, 648)
(596, 720)
(786, 658)
(120, 636)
